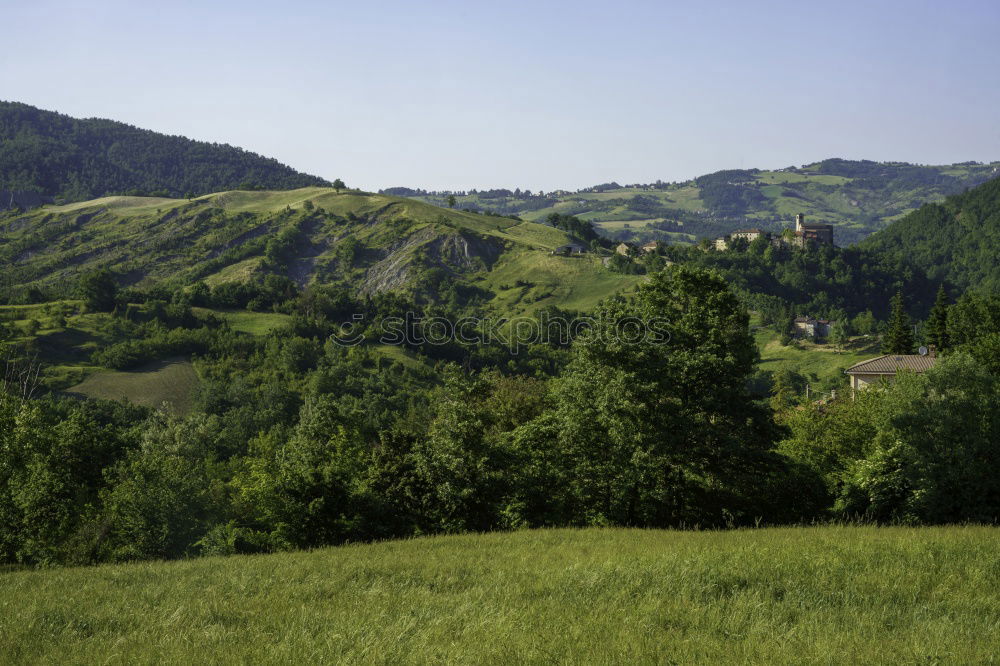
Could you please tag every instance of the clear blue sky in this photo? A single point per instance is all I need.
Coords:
(453, 95)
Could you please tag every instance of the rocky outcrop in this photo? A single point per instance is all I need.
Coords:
(456, 252)
(465, 252)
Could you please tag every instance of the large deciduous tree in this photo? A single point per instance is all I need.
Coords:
(99, 290)
(653, 413)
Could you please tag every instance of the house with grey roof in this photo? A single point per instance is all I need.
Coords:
(885, 368)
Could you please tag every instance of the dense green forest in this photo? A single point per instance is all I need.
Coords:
(826, 282)
(70, 159)
(648, 416)
(957, 240)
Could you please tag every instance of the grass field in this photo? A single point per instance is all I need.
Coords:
(254, 323)
(831, 595)
(575, 283)
(171, 381)
(399, 355)
(823, 364)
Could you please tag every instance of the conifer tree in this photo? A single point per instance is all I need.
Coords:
(937, 322)
(899, 338)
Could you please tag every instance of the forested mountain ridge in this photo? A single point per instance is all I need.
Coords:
(70, 159)
(857, 197)
(957, 240)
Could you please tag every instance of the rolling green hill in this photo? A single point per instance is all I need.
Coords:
(68, 159)
(239, 240)
(957, 240)
(774, 596)
(859, 197)
(369, 243)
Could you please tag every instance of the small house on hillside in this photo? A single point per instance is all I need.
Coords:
(885, 368)
(570, 249)
(651, 246)
(623, 249)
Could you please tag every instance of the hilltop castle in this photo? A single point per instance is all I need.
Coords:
(820, 234)
(805, 235)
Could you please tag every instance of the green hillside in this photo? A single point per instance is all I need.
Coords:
(52, 155)
(957, 240)
(774, 596)
(252, 251)
(368, 243)
(859, 197)
(239, 244)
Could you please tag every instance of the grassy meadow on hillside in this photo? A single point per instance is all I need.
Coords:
(172, 381)
(254, 323)
(363, 242)
(793, 595)
(822, 364)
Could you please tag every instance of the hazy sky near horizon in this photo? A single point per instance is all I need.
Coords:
(455, 95)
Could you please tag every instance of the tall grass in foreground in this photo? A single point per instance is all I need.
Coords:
(797, 595)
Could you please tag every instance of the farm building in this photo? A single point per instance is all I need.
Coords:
(814, 328)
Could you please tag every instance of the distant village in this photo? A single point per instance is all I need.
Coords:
(805, 235)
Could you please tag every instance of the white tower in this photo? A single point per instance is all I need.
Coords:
(798, 221)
